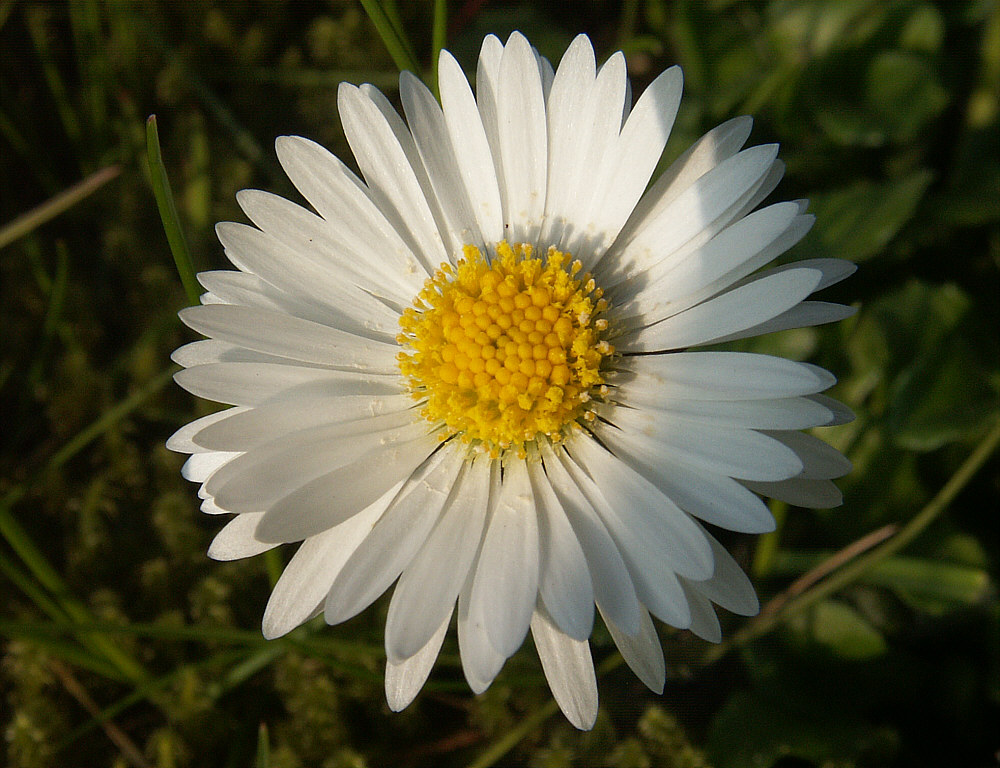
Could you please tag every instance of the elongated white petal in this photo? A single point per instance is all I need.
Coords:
(505, 586)
(262, 476)
(472, 149)
(784, 413)
(288, 269)
(310, 573)
(802, 315)
(564, 584)
(704, 621)
(181, 442)
(405, 678)
(740, 308)
(710, 496)
(430, 584)
(716, 146)
(644, 510)
(522, 140)
(237, 540)
(344, 201)
(692, 218)
(629, 167)
(292, 338)
(656, 583)
(481, 662)
(569, 126)
(396, 538)
(200, 467)
(342, 493)
(299, 409)
(801, 491)
(728, 586)
(392, 182)
(434, 145)
(568, 668)
(740, 453)
(641, 650)
(678, 283)
(649, 379)
(819, 460)
(609, 576)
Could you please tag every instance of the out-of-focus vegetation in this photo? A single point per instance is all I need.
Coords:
(122, 644)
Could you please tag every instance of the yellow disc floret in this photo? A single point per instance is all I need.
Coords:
(507, 350)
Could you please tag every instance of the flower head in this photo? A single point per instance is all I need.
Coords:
(470, 372)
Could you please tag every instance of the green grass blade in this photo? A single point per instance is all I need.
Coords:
(168, 213)
(439, 38)
(54, 206)
(263, 759)
(392, 35)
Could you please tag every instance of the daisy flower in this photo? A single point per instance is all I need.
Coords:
(470, 371)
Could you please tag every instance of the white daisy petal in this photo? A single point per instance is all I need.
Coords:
(343, 200)
(641, 650)
(392, 181)
(716, 146)
(740, 308)
(237, 540)
(396, 538)
(254, 383)
(800, 491)
(609, 576)
(638, 150)
(522, 139)
(564, 584)
(481, 662)
(648, 379)
(181, 442)
(728, 586)
(430, 584)
(704, 621)
(692, 217)
(201, 466)
(338, 495)
(258, 478)
(741, 453)
(685, 277)
(405, 678)
(711, 496)
(213, 351)
(318, 243)
(310, 573)
(819, 460)
(568, 668)
(656, 583)
(568, 128)
(291, 338)
(647, 513)
(300, 409)
(467, 373)
(505, 585)
(355, 311)
(471, 147)
(434, 145)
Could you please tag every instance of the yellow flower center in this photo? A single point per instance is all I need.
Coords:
(506, 350)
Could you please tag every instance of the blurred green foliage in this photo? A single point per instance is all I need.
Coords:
(123, 645)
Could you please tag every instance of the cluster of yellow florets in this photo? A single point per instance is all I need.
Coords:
(506, 350)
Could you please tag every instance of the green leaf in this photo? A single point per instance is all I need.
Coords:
(857, 222)
(840, 629)
(902, 91)
(168, 213)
